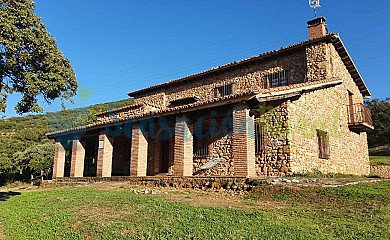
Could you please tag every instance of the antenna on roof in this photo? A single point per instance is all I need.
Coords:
(314, 4)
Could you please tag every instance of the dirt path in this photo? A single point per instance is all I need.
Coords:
(2, 234)
(333, 182)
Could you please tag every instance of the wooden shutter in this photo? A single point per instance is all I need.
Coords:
(323, 144)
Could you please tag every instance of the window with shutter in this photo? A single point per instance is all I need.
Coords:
(323, 144)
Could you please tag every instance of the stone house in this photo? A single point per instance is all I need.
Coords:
(297, 109)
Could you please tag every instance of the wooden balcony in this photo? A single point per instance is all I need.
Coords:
(360, 119)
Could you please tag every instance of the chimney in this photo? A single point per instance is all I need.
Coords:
(317, 28)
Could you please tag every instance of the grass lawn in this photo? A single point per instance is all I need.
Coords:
(377, 160)
(359, 211)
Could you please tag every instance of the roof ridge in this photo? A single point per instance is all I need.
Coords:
(231, 64)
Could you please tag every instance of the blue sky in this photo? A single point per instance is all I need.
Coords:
(119, 46)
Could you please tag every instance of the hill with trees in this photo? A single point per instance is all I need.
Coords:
(24, 148)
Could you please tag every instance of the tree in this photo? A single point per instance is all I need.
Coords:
(380, 110)
(30, 61)
(36, 159)
(41, 158)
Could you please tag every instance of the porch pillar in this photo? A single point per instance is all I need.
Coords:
(183, 153)
(139, 151)
(59, 160)
(157, 155)
(243, 144)
(77, 160)
(104, 164)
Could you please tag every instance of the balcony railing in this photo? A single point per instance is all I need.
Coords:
(359, 118)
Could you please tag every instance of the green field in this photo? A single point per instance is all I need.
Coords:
(377, 160)
(272, 212)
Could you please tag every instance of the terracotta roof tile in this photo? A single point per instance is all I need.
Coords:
(152, 113)
(229, 65)
(332, 37)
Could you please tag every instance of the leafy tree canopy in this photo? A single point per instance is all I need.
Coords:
(38, 158)
(30, 61)
(380, 110)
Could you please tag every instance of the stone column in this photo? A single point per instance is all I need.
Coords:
(243, 144)
(59, 160)
(77, 161)
(139, 152)
(104, 164)
(183, 153)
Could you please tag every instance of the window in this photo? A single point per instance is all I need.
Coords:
(223, 90)
(323, 144)
(201, 146)
(259, 137)
(183, 101)
(277, 79)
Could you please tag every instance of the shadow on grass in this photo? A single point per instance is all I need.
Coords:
(6, 195)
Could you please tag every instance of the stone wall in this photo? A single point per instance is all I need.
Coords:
(326, 110)
(382, 171)
(125, 113)
(250, 76)
(274, 158)
(338, 71)
(348, 150)
(317, 62)
(155, 99)
(244, 77)
(220, 147)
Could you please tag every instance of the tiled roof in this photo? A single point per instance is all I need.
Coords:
(346, 58)
(133, 106)
(154, 113)
(332, 37)
(188, 107)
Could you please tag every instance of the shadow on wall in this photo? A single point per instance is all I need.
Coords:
(4, 196)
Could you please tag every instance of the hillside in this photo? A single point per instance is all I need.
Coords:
(18, 134)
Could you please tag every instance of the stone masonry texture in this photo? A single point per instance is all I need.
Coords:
(289, 139)
(382, 171)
